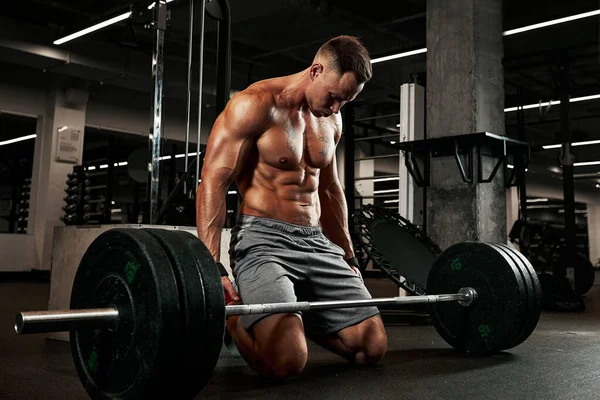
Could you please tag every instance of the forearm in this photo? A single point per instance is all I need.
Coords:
(210, 215)
(334, 219)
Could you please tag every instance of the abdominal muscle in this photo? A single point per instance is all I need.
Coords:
(288, 195)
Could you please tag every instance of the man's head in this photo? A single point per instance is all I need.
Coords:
(338, 74)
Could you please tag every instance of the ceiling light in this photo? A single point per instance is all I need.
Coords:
(19, 139)
(394, 178)
(505, 33)
(151, 6)
(558, 146)
(93, 28)
(550, 23)
(541, 200)
(586, 163)
(399, 55)
(99, 26)
(552, 102)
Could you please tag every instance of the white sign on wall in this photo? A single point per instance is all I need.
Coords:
(69, 145)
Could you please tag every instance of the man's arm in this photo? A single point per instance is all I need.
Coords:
(334, 209)
(244, 118)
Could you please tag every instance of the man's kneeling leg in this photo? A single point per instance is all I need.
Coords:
(275, 346)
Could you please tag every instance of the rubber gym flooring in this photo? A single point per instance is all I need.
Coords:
(561, 360)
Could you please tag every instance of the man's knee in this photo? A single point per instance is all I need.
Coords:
(285, 353)
(372, 342)
(287, 364)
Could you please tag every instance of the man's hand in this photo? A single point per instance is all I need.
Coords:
(230, 294)
(357, 272)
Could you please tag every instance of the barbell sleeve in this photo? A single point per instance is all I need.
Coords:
(65, 320)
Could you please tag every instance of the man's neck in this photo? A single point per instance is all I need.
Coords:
(294, 93)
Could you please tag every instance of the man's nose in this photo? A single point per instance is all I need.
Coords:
(336, 107)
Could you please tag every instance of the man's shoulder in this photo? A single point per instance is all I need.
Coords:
(255, 95)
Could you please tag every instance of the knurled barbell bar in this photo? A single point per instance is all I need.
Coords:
(98, 318)
(147, 310)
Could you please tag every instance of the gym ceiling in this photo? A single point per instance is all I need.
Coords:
(271, 37)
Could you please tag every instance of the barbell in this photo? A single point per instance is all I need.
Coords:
(147, 310)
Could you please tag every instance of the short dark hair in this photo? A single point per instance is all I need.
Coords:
(347, 53)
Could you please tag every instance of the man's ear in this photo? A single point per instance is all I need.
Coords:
(315, 70)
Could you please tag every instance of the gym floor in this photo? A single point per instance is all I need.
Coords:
(561, 360)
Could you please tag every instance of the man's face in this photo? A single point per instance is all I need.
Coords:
(329, 90)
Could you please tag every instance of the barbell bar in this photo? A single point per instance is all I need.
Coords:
(147, 309)
(98, 318)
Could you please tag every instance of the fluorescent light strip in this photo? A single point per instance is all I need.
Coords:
(553, 102)
(558, 146)
(99, 26)
(586, 163)
(19, 139)
(505, 33)
(151, 6)
(122, 163)
(93, 28)
(550, 23)
(395, 178)
(399, 55)
(385, 191)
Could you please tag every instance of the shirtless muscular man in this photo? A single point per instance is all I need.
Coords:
(277, 140)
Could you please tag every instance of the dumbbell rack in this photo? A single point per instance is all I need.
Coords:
(88, 197)
(23, 207)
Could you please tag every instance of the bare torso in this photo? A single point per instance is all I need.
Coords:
(280, 178)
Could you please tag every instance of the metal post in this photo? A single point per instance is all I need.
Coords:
(567, 159)
(189, 89)
(159, 25)
(201, 29)
(349, 162)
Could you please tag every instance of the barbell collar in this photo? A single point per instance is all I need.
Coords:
(66, 320)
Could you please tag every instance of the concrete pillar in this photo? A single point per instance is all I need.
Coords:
(593, 224)
(465, 94)
(59, 146)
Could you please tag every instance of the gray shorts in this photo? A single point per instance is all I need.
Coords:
(275, 261)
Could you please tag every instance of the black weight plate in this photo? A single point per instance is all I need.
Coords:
(537, 297)
(515, 264)
(528, 295)
(194, 374)
(129, 270)
(584, 273)
(214, 298)
(486, 325)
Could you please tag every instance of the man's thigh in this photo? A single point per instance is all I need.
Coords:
(265, 283)
(331, 279)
